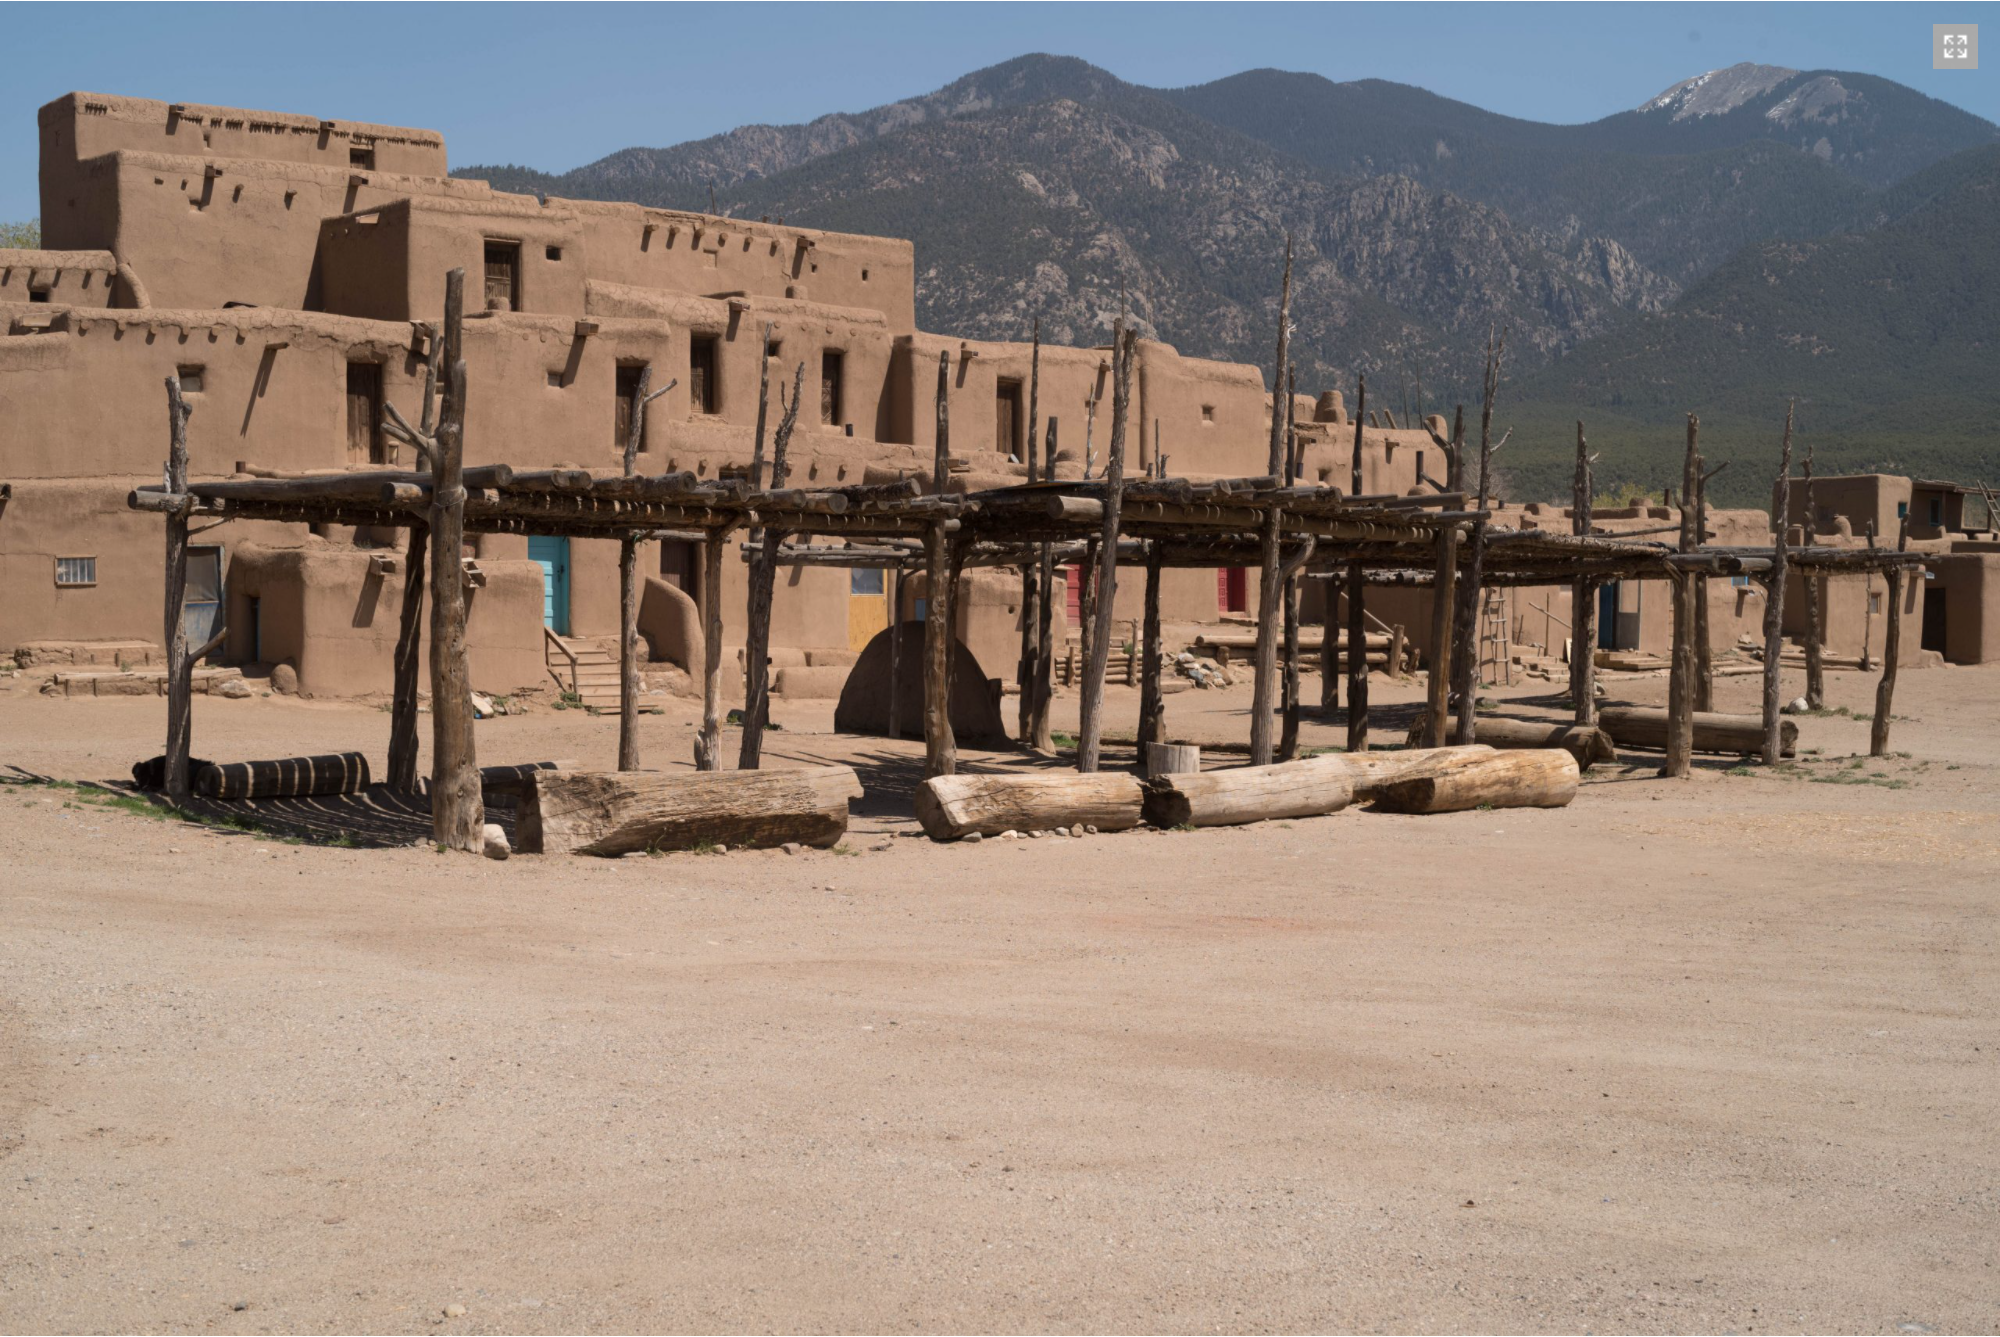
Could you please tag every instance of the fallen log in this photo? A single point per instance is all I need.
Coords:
(1532, 778)
(286, 777)
(1369, 771)
(620, 812)
(951, 806)
(514, 779)
(1588, 743)
(1247, 794)
(1646, 726)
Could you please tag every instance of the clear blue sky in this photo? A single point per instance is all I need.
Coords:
(557, 86)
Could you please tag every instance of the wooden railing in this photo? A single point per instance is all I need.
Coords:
(567, 653)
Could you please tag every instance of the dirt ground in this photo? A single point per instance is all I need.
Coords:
(1713, 1055)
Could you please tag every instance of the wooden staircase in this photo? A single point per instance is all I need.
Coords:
(584, 670)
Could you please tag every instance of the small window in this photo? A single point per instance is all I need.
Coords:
(626, 388)
(704, 393)
(191, 379)
(552, 252)
(1937, 512)
(38, 294)
(362, 156)
(1208, 413)
(75, 572)
(832, 369)
(774, 349)
(1740, 582)
(864, 580)
(555, 380)
(1902, 509)
(1874, 602)
(864, 276)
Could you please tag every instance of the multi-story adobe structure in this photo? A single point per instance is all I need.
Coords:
(285, 268)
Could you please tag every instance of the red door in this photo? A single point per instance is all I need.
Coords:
(1232, 589)
(1074, 576)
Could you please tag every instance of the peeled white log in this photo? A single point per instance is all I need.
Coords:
(1586, 742)
(1529, 778)
(951, 806)
(1646, 726)
(1247, 794)
(1369, 771)
(619, 812)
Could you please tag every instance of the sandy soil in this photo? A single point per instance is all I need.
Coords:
(1715, 1055)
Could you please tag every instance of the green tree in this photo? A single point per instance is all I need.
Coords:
(22, 236)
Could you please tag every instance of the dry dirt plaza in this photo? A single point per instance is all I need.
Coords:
(1713, 1055)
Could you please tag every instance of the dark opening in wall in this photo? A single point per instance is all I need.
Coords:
(704, 386)
(503, 275)
(774, 348)
(364, 414)
(832, 389)
(362, 156)
(38, 294)
(626, 388)
(1007, 420)
(552, 252)
(191, 378)
(1208, 413)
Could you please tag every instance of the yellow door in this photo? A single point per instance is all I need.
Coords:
(867, 606)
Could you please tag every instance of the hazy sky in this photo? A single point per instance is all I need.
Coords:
(554, 86)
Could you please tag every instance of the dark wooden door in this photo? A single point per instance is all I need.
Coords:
(364, 413)
(832, 368)
(628, 399)
(503, 269)
(1006, 418)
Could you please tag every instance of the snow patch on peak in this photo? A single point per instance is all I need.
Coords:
(1718, 92)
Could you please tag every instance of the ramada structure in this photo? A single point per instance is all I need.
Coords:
(624, 368)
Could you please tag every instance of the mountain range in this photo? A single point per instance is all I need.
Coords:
(1747, 234)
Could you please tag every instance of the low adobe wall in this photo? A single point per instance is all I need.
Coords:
(352, 609)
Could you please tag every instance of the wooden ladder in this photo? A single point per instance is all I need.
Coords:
(1496, 648)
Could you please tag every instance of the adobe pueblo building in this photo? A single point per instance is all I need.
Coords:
(290, 271)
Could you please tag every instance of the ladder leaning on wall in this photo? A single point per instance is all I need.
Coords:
(1496, 649)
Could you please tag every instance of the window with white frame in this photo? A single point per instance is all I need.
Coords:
(73, 572)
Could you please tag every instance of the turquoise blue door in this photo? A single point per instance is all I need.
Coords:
(552, 555)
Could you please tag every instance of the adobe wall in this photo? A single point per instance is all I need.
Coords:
(45, 520)
(1969, 584)
(385, 263)
(668, 250)
(77, 126)
(56, 278)
(199, 233)
(352, 612)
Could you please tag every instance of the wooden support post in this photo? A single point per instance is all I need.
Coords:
(1774, 604)
(1398, 646)
(1152, 702)
(763, 581)
(940, 747)
(402, 775)
(1031, 584)
(1444, 597)
(1583, 597)
(628, 590)
(1885, 687)
(1288, 737)
(1269, 596)
(1815, 665)
(1693, 495)
(458, 810)
(708, 743)
(896, 592)
(1465, 654)
(1681, 669)
(1357, 611)
(1090, 730)
(180, 680)
(1040, 736)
